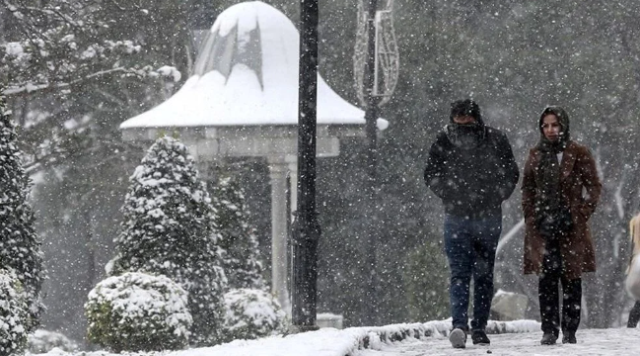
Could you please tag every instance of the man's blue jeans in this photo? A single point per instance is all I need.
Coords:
(470, 245)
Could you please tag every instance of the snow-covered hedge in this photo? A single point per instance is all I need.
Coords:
(42, 341)
(13, 312)
(252, 313)
(137, 311)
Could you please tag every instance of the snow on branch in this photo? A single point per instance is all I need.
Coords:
(26, 88)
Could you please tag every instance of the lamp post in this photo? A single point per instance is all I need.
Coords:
(305, 228)
(371, 114)
(376, 68)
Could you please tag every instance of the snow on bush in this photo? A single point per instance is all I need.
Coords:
(42, 341)
(170, 72)
(138, 312)
(13, 312)
(252, 313)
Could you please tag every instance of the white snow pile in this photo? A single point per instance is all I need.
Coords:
(329, 341)
(41, 341)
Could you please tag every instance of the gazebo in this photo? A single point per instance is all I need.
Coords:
(242, 101)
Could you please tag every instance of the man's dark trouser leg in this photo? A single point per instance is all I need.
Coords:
(571, 304)
(459, 249)
(486, 241)
(548, 292)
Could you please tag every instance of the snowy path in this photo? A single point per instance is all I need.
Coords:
(620, 341)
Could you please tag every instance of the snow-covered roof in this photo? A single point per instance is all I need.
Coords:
(247, 74)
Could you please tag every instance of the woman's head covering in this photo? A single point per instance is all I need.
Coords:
(563, 120)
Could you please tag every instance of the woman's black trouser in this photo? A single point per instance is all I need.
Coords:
(548, 291)
(634, 315)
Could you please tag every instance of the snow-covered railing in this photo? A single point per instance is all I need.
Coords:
(399, 332)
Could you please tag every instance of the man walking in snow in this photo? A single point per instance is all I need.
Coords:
(472, 169)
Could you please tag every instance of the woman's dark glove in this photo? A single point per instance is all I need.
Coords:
(565, 223)
(545, 223)
(551, 224)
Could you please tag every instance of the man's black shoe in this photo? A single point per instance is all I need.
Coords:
(569, 338)
(549, 339)
(479, 337)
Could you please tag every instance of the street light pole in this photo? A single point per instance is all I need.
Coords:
(305, 228)
(370, 302)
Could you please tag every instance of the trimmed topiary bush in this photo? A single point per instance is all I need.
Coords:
(251, 314)
(138, 312)
(13, 313)
(42, 341)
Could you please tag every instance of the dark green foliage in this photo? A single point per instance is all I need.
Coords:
(169, 229)
(19, 244)
(426, 280)
(238, 239)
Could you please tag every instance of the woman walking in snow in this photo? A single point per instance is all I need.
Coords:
(633, 271)
(558, 244)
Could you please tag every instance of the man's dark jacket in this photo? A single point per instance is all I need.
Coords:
(472, 182)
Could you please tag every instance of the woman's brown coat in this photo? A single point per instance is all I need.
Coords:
(578, 176)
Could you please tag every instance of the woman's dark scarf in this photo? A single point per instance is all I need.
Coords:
(552, 213)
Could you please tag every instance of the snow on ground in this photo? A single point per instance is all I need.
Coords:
(327, 342)
(324, 342)
(428, 339)
(618, 341)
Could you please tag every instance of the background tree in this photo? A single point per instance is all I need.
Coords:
(169, 229)
(19, 244)
(72, 78)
